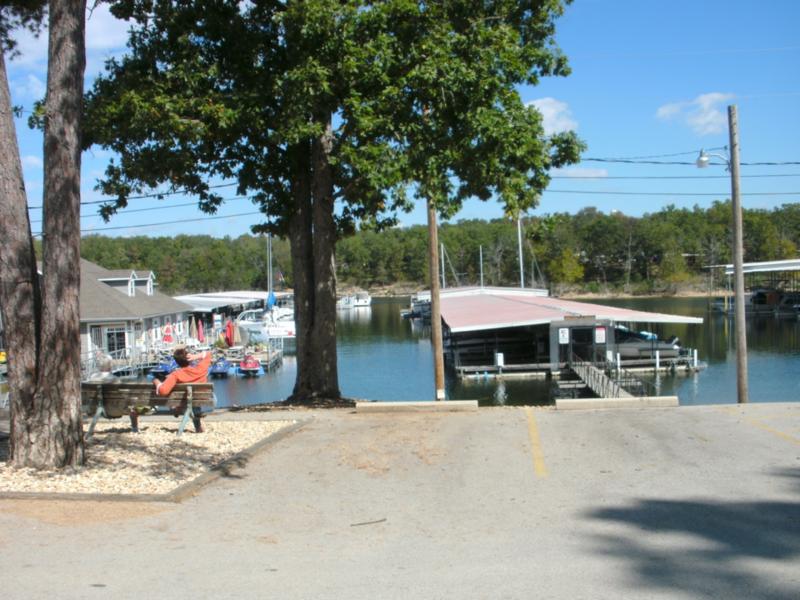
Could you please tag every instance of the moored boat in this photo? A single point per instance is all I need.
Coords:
(263, 327)
(164, 368)
(249, 366)
(357, 300)
(644, 344)
(220, 367)
(763, 301)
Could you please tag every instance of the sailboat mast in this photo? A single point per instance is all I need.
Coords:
(519, 244)
(269, 263)
(444, 283)
(480, 248)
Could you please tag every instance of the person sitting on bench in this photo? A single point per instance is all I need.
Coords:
(189, 371)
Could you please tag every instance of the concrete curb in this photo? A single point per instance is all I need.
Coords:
(431, 406)
(593, 403)
(180, 493)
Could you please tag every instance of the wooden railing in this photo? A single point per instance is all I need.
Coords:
(608, 381)
(600, 383)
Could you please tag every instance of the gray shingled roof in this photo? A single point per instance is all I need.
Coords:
(101, 302)
(124, 274)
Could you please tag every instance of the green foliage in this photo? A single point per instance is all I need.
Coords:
(424, 93)
(666, 248)
(567, 269)
(19, 14)
(193, 264)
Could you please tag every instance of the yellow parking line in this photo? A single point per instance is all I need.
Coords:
(760, 424)
(536, 445)
(776, 432)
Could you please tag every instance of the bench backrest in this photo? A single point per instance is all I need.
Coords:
(117, 397)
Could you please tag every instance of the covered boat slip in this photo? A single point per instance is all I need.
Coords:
(772, 288)
(232, 302)
(491, 330)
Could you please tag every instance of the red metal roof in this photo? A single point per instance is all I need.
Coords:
(476, 309)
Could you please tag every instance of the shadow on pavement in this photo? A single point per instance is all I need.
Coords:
(707, 549)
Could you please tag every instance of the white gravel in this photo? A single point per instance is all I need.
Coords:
(153, 461)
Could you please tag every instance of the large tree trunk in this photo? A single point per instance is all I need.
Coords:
(59, 388)
(19, 284)
(300, 244)
(46, 426)
(313, 237)
(325, 370)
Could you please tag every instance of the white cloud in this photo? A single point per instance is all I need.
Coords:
(104, 31)
(703, 115)
(33, 189)
(556, 115)
(105, 35)
(578, 172)
(32, 161)
(29, 87)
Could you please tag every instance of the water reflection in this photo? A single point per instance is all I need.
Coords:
(382, 356)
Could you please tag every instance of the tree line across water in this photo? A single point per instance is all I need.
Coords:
(589, 251)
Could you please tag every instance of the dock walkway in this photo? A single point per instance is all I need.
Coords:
(600, 383)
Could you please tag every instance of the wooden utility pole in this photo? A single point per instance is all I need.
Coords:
(436, 315)
(519, 249)
(738, 260)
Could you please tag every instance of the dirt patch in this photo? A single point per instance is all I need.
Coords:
(66, 513)
(390, 443)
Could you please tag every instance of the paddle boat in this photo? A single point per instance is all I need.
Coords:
(164, 368)
(249, 366)
(220, 367)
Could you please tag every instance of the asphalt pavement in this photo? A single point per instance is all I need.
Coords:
(690, 502)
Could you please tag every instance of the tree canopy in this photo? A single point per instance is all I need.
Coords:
(648, 254)
(328, 111)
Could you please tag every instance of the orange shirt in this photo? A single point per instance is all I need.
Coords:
(192, 374)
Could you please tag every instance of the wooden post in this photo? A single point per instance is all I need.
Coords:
(436, 316)
(738, 261)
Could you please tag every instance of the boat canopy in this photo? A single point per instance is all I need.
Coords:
(213, 301)
(769, 266)
(499, 308)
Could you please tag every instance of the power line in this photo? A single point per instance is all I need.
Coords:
(637, 162)
(133, 210)
(578, 192)
(617, 193)
(153, 195)
(688, 152)
(247, 214)
(578, 177)
(676, 162)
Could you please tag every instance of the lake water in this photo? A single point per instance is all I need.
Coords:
(385, 357)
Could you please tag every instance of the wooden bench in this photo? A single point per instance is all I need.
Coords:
(113, 400)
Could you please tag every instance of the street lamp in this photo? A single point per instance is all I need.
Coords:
(732, 164)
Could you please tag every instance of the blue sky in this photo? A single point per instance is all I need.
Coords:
(648, 79)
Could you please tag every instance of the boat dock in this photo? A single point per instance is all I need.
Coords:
(601, 384)
(520, 332)
(129, 363)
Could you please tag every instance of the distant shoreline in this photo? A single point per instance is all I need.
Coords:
(383, 292)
